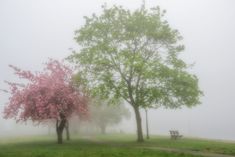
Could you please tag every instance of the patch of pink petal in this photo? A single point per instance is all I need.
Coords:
(46, 95)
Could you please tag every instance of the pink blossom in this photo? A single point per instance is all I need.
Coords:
(46, 95)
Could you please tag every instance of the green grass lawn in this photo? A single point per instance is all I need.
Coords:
(105, 146)
(203, 145)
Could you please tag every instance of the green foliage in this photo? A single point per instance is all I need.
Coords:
(104, 114)
(134, 56)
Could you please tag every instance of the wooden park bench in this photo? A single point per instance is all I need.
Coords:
(175, 134)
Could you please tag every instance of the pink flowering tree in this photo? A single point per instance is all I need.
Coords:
(47, 95)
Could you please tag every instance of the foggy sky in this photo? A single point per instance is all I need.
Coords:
(32, 31)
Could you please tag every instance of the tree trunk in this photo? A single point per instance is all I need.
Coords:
(67, 130)
(103, 129)
(139, 125)
(147, 124)
(59, 136)
(60, 125)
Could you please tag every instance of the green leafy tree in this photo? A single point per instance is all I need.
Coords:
(133, 55)
(104, 115)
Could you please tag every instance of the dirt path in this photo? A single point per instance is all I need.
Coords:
(188, 152)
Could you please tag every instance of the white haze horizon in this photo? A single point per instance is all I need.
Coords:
(33, 31)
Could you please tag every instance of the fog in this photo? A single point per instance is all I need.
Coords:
(32, 31)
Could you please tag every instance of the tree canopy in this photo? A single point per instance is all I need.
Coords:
(134, 55)
(103, 114)
(46, 95)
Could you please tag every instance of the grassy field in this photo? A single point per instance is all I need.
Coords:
(203, 145)
(106, 146)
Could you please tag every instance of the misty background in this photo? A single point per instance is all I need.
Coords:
(32, 31)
